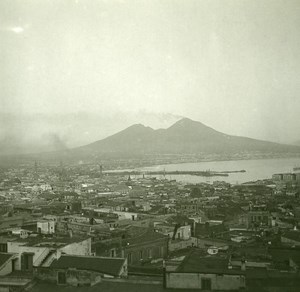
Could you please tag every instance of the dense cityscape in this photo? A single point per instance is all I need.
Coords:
(80, 225)
(149, 146)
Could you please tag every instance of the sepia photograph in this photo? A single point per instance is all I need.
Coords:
(149, 145)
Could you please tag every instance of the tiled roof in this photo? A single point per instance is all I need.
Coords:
(109, 266)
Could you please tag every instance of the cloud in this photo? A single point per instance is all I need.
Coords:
(17, 29)
(54, 142)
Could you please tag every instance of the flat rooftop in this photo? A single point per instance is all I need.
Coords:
(44, 241)
(197, 262)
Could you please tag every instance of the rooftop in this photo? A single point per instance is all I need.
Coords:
(145, 234)
(293, 235)
(109, 266)
(196, 262)
(45, 241)
(103, 286)
(284, 254)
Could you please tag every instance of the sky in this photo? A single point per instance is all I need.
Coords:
(75, 71)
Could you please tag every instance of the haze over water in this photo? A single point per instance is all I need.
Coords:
(255, 169)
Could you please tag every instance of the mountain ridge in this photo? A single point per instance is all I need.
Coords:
(185, 136)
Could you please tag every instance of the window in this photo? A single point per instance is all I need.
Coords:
(61, 278)
(141, 254)
(3, 247)
(13, 265)
(149, 253)
(26, 262)
(205, 284)
(112, 253)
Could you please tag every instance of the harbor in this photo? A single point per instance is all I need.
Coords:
(207, 173)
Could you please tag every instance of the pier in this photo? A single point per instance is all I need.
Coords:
(206, 173)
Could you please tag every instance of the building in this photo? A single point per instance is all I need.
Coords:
(190, 207)
(175, 232)
(14, 221)
(74, 206)
(288, 177)
(277, 177)
(82, 226)
(148, 246)
(138, 245)
(259, 217)
(42, 251)
(82, 270)
(198, 271)
(46, 226)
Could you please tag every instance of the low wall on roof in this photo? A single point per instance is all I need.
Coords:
(196, 281)
(73, 277)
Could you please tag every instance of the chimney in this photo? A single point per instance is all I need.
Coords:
(70, 233)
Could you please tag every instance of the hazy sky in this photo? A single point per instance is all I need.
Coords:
(72, 72)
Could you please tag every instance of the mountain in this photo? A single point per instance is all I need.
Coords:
(184, 137)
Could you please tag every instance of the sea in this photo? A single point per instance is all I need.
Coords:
(254, 170)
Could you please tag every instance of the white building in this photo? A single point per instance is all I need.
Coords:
(46, 227)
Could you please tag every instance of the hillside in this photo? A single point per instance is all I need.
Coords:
(183, 137)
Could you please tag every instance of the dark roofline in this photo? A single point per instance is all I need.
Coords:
(212, 272)
(52, 266)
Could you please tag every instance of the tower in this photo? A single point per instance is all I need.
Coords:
(101, 169)
(35, 175)
(35, 167)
